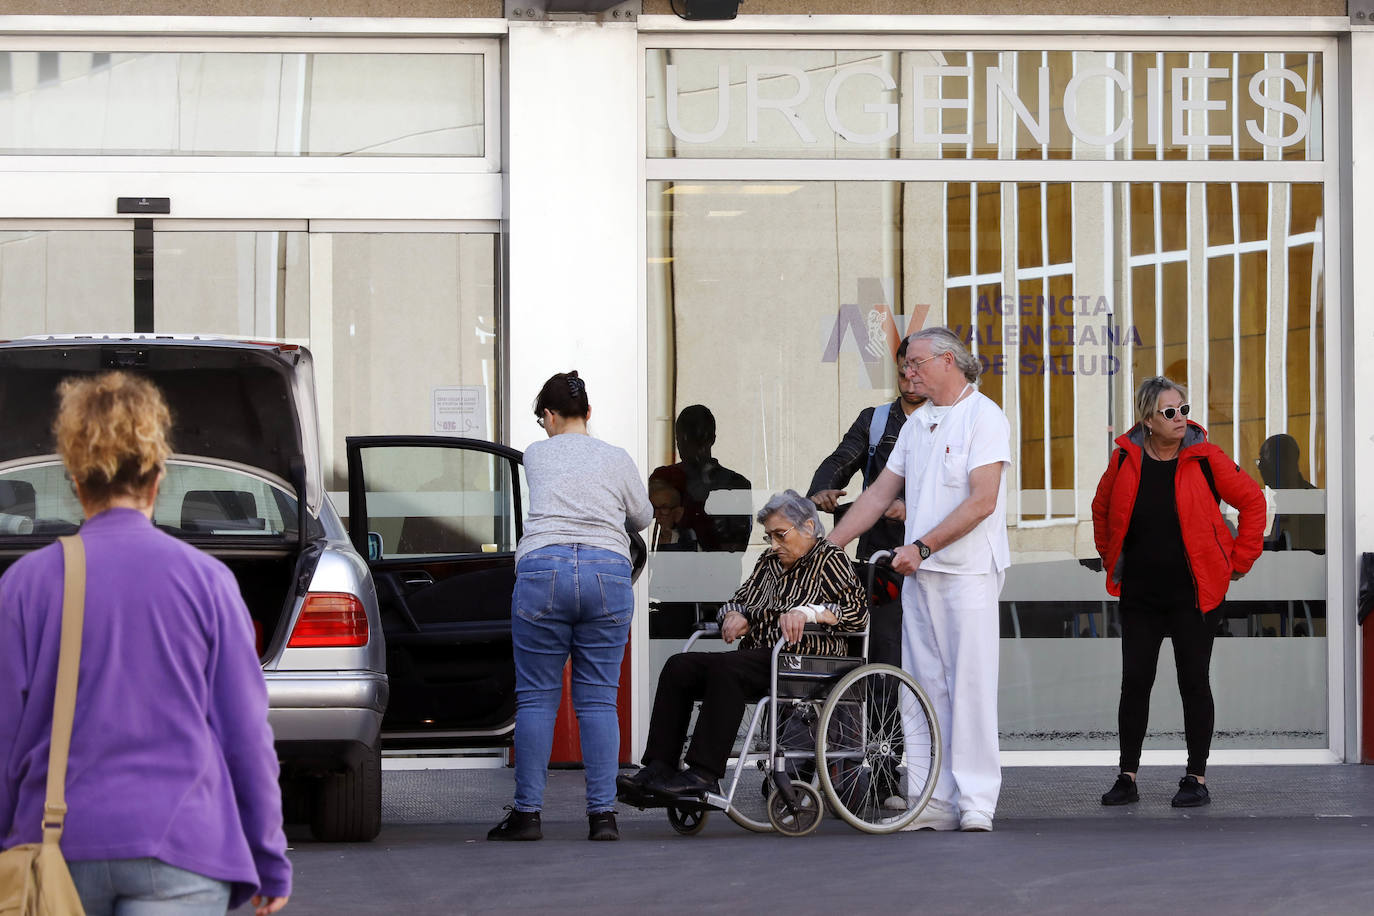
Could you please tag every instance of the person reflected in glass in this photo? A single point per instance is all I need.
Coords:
(1170, 555)
(801, 579)
(668, 531)
(1279, 465)
(573, 597)
(696, 475)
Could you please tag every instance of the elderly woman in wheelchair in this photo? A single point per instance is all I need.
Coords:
(803, 597)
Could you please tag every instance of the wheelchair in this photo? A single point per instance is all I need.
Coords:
(841, 734)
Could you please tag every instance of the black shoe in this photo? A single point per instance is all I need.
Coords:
(1122, 792)
(1191, 794)
(689, 785)
(630, 787)
(517, 825)
(602, 826)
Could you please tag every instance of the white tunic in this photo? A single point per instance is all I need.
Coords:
(936, 465)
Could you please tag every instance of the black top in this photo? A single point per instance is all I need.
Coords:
(1156, 568)
(851, 457)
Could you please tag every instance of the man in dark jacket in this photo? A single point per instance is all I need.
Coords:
(852, 456)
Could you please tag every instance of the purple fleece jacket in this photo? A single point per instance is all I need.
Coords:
(171, 754)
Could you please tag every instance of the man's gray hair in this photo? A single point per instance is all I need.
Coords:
(794, 507)
(942, 341)
(1148, 394)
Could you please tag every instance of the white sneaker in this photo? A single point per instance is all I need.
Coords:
(975, 822)
(894, 803)
(931, 818)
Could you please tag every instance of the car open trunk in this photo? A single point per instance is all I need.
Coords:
(267, 582)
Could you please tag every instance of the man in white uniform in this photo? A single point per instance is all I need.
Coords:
(951, 459)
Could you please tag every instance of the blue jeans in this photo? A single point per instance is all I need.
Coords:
(569, 599)
(146, 887)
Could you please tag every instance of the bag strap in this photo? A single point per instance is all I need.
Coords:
(877, 425)
(64, 701)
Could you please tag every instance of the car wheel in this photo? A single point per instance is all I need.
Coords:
(348, 805)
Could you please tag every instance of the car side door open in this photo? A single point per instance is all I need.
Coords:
(438, 520)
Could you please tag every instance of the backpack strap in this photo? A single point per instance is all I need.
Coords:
(877, 425)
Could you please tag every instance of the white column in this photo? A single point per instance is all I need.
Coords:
(574, 227)
(1361, 380)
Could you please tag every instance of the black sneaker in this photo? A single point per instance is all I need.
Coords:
(1122, 792)
(602, 826)
(1191, 794)
(517, 825)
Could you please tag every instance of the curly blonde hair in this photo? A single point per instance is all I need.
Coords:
(111, 432)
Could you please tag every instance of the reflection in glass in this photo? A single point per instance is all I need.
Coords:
(222, 104)
(789, 295)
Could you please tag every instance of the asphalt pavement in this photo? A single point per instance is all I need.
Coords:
(1276, 839)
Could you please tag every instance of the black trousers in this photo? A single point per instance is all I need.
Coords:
(724, 682)
(1144, 624)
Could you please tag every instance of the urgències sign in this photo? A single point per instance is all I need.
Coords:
(922, 103)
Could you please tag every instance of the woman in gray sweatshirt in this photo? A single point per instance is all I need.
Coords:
(572, 597)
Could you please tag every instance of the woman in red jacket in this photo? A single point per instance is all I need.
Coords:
(1170, 555)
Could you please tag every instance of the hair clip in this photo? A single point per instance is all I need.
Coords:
(576, 386)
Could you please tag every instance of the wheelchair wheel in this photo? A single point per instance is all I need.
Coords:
(808, 816)
(877, 744)
(687, 821)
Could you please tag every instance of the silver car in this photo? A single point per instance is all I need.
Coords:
(394, 629)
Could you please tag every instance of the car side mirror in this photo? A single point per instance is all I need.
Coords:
(374, 546)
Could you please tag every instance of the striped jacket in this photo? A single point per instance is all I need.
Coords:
(823, 576)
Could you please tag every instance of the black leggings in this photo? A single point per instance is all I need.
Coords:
(1144, 624)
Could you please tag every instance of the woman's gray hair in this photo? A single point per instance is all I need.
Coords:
(794, 507)
(942, 341)
(1148, 394)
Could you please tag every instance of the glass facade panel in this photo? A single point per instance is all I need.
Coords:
(241, 104)
(232, 283)
(66, 281)
(778, 308)
(412, 312)
(1037, 105)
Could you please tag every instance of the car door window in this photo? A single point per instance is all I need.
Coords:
(423, 501)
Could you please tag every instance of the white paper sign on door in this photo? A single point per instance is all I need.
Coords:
(461, 410)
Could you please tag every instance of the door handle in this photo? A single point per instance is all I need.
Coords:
(417, 580)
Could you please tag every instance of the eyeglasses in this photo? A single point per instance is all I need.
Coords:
(1169, 413)
(914, 365)
(770, 537)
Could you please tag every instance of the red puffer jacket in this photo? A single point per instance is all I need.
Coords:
(1213, 551)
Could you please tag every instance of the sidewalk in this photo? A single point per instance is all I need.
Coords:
(477, 796)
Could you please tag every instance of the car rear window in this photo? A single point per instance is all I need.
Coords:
(195, 499)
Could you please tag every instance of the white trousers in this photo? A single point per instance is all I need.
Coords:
(950, 645)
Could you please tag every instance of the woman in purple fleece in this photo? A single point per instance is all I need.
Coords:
(172, 780)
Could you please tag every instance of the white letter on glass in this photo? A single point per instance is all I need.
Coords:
(752, 102)
(1304, 122)
(1071, 106)
(1000, 85)
(923, 103)
(1184, 103)
(722, 108)
(887, 110)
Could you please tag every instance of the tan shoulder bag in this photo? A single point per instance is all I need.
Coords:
(34, 880)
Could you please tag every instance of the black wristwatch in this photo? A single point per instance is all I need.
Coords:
(923, 549)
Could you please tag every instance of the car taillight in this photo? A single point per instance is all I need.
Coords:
(329, 620)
